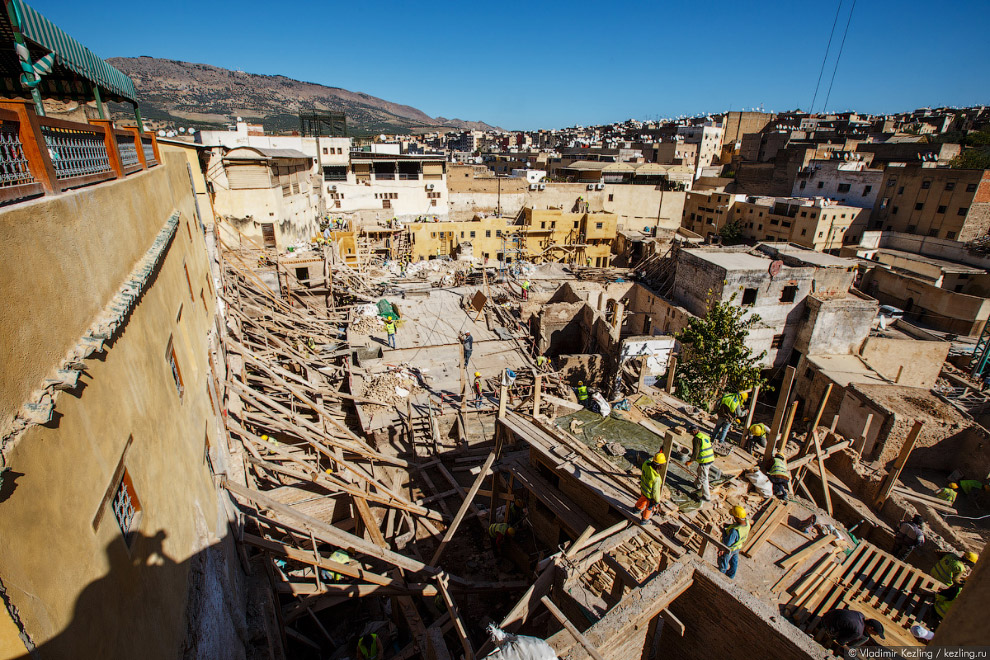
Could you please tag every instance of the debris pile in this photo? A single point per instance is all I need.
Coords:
(391, 387)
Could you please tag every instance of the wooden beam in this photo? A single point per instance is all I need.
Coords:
(353, 570)
(370, 522)
(823, 473)
(537, 391)
(902, 459)
(670, 620)
(579, 541)
(860, 443)
(465, 505)
(668, 443)
(564, 621)
(455, 614)
(749, 416)
(778, 415)
(671, 373)
(805, 551)
(437, 648)
(325, 532)
(578, 547)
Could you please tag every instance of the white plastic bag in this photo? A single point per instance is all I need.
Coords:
(603, 408)
(761, 483)
(518, 647)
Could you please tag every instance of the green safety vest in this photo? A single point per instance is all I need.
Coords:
(943, 603)
(582, 393)
(947, 569)
(390, 327)
(967, 486)
(705, 454)
(779, 468)
(368, 652)
(743, 529)
(732, 402)
(525, 285)
(649, 482)
(947, 494)
(541, 360)
(340, 557)
(497, 528)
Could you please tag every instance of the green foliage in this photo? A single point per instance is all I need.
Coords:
(976, 158)
(715, 358)
(731, 233)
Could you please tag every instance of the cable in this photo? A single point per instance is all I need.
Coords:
(825, 58)
(839, 56)
(953, 515)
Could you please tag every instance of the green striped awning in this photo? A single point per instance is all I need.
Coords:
(71, 54)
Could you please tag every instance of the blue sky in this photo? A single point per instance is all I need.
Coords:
(529, 65)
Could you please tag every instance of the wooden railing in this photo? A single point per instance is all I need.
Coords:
(46, 156)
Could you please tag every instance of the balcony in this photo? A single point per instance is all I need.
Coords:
(47, 156)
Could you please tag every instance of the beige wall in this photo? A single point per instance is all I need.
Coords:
(908, 362)
(961, 214)
(78, 588)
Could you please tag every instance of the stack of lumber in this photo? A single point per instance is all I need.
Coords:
(868, 580)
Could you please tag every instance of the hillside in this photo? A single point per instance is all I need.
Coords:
(207, 97)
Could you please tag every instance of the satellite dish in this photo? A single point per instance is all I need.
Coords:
(182, 130)
(161, 132)
(775, 267)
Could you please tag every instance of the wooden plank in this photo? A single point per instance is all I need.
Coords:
(823, 473)
(323, 531)
(465, 505)
(455, 614)
(806, 551)
(902, 459)
(370, 522)
(670, 620)
(755, 542)
(668, 442)
(600, 536)
(579, 541)
(437, 648)
(778, 416)
(564, 621)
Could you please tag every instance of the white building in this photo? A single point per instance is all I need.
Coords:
(708, 137)
(849, 182)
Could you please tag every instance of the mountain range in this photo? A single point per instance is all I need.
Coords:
(209, 97)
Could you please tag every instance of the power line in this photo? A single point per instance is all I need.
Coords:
(825, 58)
(839, 56)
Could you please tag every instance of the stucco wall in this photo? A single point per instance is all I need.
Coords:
(909, 362)
(78, 587)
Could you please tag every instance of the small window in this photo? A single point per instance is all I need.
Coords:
(777, 342)
(804, 232)
(268, 234)
(498, 233)
(950, 235)
(472, 234)
(599, 225)
(386, 203)
(803, 184)
(893, 210)
(951, 185)
(912, 228)
(326, 151)
(808, 373)
(433, 202)
(611, 198)
(804, 214)
(926, 184)
(900, 191)
(788, 294)
(963, 210)
(749, 297)
(940, 209)
(933, 232)
(543, 225)
(866, 190)
(576, 222)
(844, 187)
(462, 234)
(488, 233)
(126, 507)
(970, 187)
(821, 184)
(174, 366)
(919, 206)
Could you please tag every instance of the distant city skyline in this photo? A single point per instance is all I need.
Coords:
(555, 64)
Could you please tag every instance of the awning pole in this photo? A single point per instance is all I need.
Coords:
(137, 116)
(99, 101)
(29, 77)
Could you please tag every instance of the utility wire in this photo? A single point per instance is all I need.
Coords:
(839, 56)
(825, 58)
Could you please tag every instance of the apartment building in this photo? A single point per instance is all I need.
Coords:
(818, 224)
(375, 188)
(708, 137)
(852, 183)
(934, 201)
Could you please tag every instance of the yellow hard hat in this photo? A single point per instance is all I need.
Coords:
(659, 458)
(265, 438)
(477, 374)
(954, 486)
(971, 557)
(744, 395)
(511, 531)
(739, 512)
(580, 382)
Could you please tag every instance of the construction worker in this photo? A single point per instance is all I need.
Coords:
(650, 487)
(850, 629)
(588, 262)
(910, 535)
(340, 557)
(945, 598)
(525, 289)
(499, 532)
(582, 393)
(950, 568)
(369, 647)
(515, 512)
(704, 454)
(467, 341)
(390, 331)
(729, 408)
(734, 536)
(477, 389)
(758, 434)
(543, 363)
(949, 493)
(780, 477)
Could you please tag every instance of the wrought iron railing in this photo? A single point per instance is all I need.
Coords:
(14, 167)
(148, 146)
(128, 152)
(76, 152)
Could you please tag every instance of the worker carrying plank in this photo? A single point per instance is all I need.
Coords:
(733, 536)
(650, 486)
(780, 477)
(704, 455)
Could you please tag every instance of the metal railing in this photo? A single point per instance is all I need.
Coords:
(45, 156)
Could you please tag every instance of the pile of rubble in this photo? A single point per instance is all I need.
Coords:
(391, 387)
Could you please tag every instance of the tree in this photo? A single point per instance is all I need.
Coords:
(731, 233)
(976, 158)
(715, 358)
